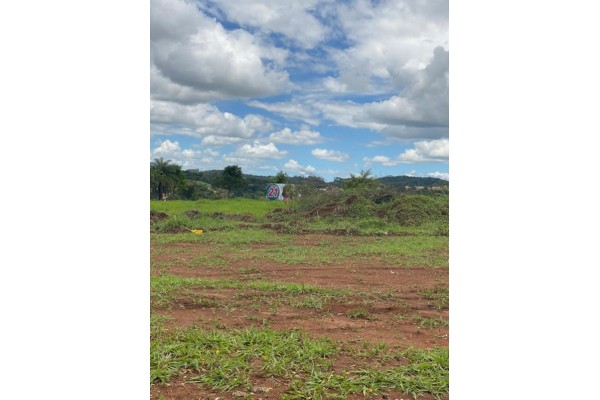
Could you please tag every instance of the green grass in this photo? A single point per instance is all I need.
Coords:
(226, 237)
(360, 313)
(208, 261)
(394, 251)
(311, 302)
(439, 297)
(225, 214)
(430, 323)
(222, 360)
(258, 207)
(166, 288)
(226, 361)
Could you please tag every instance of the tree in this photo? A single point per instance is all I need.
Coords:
(281, 177)
(232, 179)
(362, 181)
(164, 177)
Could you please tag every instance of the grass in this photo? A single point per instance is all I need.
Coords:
(395, 251)
(258, 207)
(222, 360)
(207, 261)
(360, 314)
(166, 288)
(242, 234)
(439, 297)
(235, 214)
(430, 323)
(227, 360)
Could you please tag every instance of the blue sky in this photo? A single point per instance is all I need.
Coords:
(324, 88)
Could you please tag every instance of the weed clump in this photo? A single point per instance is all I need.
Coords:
(404, 210)
(336, 203)
(414, 210)
(172, 225)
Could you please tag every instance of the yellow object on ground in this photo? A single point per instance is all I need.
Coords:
(197, 231)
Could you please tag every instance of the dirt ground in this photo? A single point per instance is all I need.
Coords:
(394, 317)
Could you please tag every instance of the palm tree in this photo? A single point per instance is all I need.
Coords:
(164, 177)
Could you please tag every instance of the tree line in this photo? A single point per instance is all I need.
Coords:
(169, 181)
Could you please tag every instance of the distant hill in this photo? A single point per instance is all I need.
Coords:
(412, 181)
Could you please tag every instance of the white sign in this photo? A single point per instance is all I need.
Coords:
(275, 191)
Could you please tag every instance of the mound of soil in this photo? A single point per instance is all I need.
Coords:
(192, 213)
(413, 210)
(236, 217)
(175, 229)
(329, 210)
(157, 216)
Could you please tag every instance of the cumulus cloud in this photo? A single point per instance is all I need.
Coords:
(212, 140)
(195, 59)
(186, 158)
(419, 111)
(298, 169)
(424, 151)
(291, 18)
(167, 149)
(302, 137)
(330, 155)
(427, 151)
(406, 33)
(203, 120)
(256, 151)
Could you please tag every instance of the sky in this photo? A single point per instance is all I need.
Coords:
(312, 88)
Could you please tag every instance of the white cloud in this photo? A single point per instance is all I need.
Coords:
(195, 59)
(302, 137)
(212, 140)
(441, 175)
(291, 18)
(427, 151)
(186, 158)
(330, 155)
(391, 40)
(256, 151)
(166, 149)
(419, 111)
(295, 167)
(293, 109)
(348, 113)
(203, 120)
(424, 151)
(334, 86)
